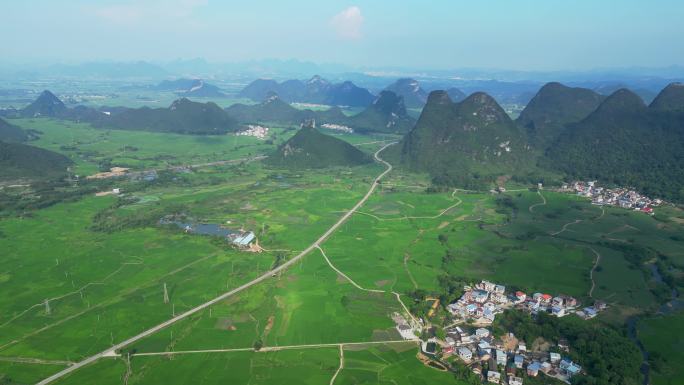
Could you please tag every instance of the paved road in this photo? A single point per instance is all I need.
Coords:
(276, 348)
(111, 351)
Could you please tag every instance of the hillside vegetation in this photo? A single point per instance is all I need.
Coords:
(309, 148)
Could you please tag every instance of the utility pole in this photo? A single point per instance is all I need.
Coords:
(47, 306)
(166, 294)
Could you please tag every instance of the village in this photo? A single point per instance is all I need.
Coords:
(620, 197)
(504, 358)
(338, 127)
(258, 132)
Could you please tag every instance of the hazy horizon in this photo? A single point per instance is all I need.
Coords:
(522, 35)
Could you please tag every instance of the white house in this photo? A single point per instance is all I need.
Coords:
(493, 377)
(465, 353)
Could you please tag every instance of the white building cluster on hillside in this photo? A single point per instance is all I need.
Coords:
(258, 132)
(337, 127)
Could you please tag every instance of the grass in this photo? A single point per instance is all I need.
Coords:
(663, 337)
(24, 373)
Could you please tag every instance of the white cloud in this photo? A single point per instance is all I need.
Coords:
(347, 24)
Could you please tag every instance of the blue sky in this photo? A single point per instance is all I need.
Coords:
(511, 34)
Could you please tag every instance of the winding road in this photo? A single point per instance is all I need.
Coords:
(112, 350)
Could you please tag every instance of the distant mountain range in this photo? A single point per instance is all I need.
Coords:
(385, 114)
(183, 116)
(563, 132)
(309, 148)
(315, 90)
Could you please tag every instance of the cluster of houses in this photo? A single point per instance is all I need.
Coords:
(480, 304)
(505, 361)
(338, 127)
(620, 197)
(258, 132)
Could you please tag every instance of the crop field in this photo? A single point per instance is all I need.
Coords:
(662, 337)
(88, 146)
(307, 305)
(81, 276)
(307, 366)
(105, 284)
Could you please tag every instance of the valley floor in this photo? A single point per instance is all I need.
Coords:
(343, 251)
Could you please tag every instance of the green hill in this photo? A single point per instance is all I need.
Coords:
(671, 98)
(182, 117)
(11, 133)
(21, 161)
(47, 104)
(625, 143)
(552, 108)
(309, 148)
(386, 114)
(465, 143)
(274, 110)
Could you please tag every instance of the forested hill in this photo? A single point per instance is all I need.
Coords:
(465, 143)
(21, 161)
(626, 143)
(671, 98)
(552, 108)
(46, 105)
(182, 117)
(386, 114)
(11, 133)
(309, 148)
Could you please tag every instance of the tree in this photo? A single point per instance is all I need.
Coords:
(258, 344)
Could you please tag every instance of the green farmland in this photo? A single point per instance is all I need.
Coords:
(83, 275)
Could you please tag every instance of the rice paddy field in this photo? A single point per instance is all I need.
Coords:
(662, 337)
(78, 277)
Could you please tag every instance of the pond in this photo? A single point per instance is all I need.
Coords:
(211, 229)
